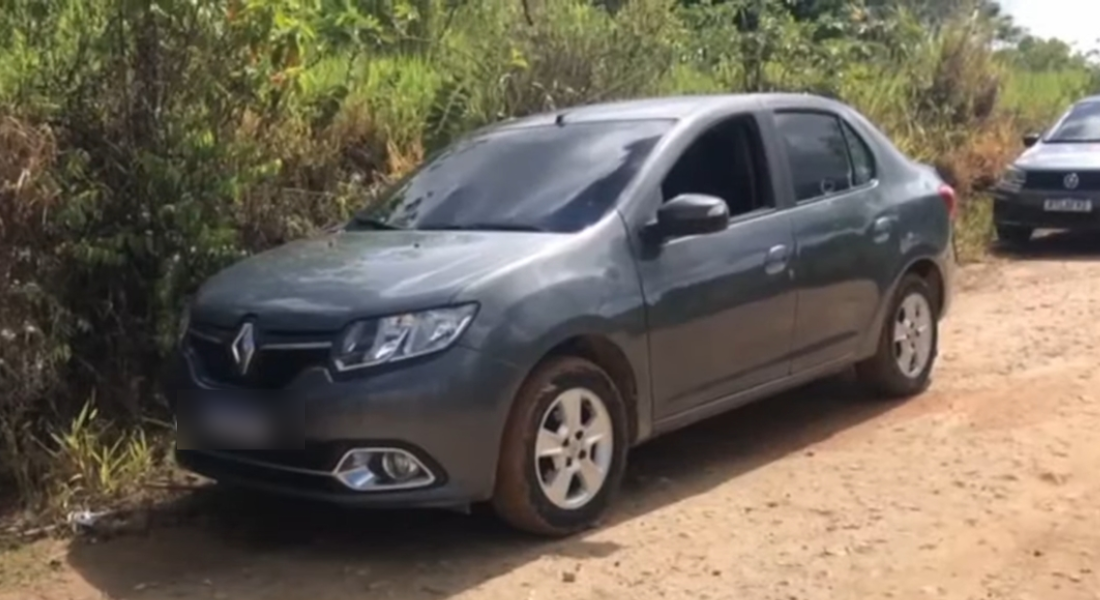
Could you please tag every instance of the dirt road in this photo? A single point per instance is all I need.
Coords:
(985, 487)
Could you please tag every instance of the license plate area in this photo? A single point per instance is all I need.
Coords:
(238, 420)
(220, 422)
(236, 425)
(1068, 205)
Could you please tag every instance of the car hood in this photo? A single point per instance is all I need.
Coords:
(1060, 157)
(321, 284)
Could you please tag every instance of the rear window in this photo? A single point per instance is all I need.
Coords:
(1080, 124)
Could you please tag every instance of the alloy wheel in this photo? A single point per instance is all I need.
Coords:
(913, 335)
(574, 448)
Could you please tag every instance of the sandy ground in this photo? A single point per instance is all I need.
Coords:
(984, 487)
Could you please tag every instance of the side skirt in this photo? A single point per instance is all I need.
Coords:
(760, 392)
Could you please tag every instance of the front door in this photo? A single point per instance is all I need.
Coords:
(721, 307)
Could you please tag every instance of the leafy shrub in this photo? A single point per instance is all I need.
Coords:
(34, 325)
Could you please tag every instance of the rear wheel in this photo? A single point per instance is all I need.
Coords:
(907, 348)
(1014, 235)
(564, 449)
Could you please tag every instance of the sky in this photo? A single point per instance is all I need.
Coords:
(1075, 21)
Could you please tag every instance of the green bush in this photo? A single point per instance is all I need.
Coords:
(145, 145)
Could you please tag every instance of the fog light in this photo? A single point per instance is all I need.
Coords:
(354, 471)
(399, 466)
(379, 469)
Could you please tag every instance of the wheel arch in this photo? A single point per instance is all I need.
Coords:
(601, 351)
(927, 268)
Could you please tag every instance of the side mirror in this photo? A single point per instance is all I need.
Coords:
(1030, 139)
(692, 214)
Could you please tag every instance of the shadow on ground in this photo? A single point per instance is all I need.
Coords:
(248, 548)
(1081, 245)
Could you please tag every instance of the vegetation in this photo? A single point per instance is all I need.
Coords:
(145, 144)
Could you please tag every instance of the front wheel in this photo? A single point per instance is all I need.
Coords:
(907, 348)
(564, 449)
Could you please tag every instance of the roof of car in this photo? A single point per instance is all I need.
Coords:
(670, 107)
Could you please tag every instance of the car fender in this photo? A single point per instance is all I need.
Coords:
(587, 288)
(537, 328)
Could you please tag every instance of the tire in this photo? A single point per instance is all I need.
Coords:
(1014, 235)
(882, 373)
(521, 498)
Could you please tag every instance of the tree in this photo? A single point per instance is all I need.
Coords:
(934, 13)
(1039, 54)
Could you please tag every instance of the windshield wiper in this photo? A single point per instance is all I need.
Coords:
(373, 223)
(1072, 141)
(482, 227)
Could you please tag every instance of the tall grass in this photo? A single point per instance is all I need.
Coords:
(1034, 97)
(143, 146)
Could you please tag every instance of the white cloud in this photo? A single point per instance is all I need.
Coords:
(1074, 21)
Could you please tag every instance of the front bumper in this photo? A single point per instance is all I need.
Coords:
(447, 410)
(1025, 209)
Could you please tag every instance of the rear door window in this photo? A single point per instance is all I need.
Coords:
(863, 162)
(818, 153)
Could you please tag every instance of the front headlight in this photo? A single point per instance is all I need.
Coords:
(376, 341)
(1013, 179)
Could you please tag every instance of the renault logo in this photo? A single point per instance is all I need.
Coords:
(1072, 181)
(243, 347)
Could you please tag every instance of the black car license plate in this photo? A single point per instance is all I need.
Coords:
(1072, 205)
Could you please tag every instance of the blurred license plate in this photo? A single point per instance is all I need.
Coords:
(1067, 205)
(236, 426)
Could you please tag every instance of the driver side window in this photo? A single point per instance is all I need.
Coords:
(727, 161)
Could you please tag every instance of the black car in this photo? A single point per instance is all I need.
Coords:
(549, 292)
(1055, 183)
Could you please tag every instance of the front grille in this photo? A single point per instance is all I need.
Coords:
(1088, 181)
(219, 468)
(271, 368)
(314, 456)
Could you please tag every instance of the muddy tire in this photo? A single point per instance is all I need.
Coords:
(564, 449)
(908, 345)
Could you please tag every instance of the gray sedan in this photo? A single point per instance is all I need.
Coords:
(549, 292)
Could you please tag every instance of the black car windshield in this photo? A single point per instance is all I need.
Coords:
(1081, 124)
(554, 178)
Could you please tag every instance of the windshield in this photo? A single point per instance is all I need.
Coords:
(557, 178)
(1080, 124)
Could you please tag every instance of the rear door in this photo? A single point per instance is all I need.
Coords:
(841, 221)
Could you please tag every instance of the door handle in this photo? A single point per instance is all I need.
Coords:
(884, 226)
(775, 261)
